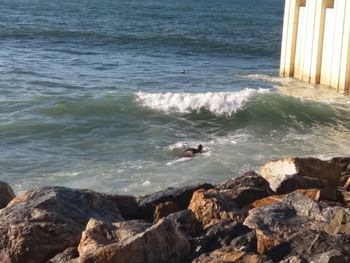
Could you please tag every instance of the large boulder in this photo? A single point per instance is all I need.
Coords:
(178, 196)
(39, 224)
(278, 171)
(223, 234)
(279, 231)
(247, 188)
(132, 242)
(6, 194)
(213, 206)
(186, 221)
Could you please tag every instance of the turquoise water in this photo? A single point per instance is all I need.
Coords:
(106, 94)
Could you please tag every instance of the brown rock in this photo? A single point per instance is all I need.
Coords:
(6, 194)
(267, 201)
(212, 206)
(161, 242)
(98, 233)
(181, 196)
(165, 209)
(42, 223)
(347, 184)
(230, 254)
(275, 172)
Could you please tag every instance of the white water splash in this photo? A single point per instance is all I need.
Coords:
(219, 103)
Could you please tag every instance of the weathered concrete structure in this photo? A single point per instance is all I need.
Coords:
(316, 42)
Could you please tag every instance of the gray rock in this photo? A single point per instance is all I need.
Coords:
(39, 224)
(333, 256)
(186, 221)
(6, 194)
(293, 259)
(246, 188)
(66, 256)
(218, 235)
(180, 196)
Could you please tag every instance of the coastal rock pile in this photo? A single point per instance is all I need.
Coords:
(294, 210)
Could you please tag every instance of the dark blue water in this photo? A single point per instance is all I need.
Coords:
(105, 94)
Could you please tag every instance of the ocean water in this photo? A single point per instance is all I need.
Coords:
(105, 94)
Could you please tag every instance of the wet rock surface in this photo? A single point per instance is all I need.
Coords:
(41, 223)
(296, 210)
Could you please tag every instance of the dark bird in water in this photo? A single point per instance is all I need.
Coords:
(191, 152)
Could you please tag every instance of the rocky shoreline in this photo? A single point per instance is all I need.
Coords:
(293, 210)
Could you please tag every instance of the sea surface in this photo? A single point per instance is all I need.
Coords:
(105, 94)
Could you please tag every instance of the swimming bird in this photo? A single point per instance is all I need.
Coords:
(191, 152)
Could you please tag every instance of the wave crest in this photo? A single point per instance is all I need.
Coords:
(219, 103)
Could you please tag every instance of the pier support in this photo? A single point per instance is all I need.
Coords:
(316, 42)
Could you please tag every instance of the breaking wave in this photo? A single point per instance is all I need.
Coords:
(218, 103)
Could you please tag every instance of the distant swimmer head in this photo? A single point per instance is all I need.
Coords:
(200, 148)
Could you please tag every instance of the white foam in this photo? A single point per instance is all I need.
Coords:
(265, 77)
(219, 103)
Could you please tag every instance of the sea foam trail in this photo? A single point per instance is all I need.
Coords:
(219, 103)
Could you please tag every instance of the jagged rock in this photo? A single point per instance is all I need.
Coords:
(279, 231)
(339, 223)
(99, 233)
(333, 256)
(274, 223)
(247, 242)
(6, 194)
(293, 259)
(329, 194)
(276, 172)
(246, 188)
(164, 209)
(186, 221)
(39, 224)
(161, 242)
(66, 256)
(181, 196)
(218, 235)
(213, 206)
(313, 245)
(230, 254)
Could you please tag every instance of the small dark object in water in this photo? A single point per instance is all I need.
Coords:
(191, 152)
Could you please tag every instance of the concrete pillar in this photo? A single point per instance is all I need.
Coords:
(344, 76)
(290, 26)
(316, 42)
